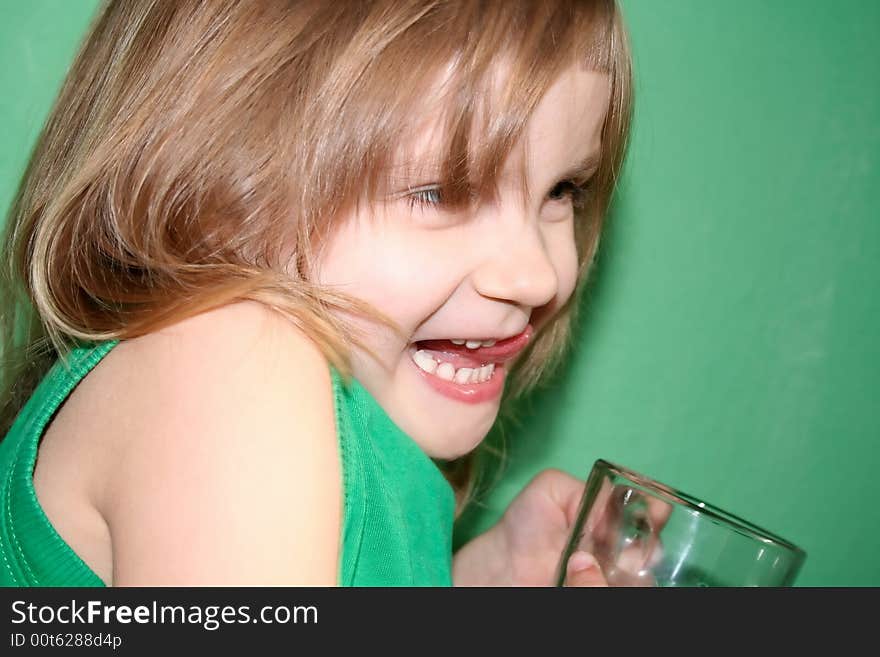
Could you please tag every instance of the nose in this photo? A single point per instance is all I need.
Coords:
(518, 269)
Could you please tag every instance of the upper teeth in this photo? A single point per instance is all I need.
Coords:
(474, 344)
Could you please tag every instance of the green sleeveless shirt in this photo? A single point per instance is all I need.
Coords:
(398, 506)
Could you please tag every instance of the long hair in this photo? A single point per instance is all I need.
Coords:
(198, 152)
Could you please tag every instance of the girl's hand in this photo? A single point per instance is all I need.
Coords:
(524, 547)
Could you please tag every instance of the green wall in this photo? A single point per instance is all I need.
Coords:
(38, 39)
(731, 346)
(730, 342)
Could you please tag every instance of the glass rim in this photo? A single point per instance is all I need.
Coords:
(700, 507)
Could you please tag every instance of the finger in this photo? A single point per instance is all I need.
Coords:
(659, 511)
(583, 571)
(564, 489)
(561, 489)
(642, 550)
(637, 556)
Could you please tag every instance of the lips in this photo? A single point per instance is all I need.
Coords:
(461, 356)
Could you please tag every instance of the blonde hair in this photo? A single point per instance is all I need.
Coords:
(191, 140)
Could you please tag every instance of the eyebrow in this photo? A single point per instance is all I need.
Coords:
(582, 171)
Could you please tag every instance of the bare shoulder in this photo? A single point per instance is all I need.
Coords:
(242, 356)
(228, 472)
(235, 335)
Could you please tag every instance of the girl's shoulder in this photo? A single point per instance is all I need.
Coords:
(206, 370)
(205, 358)
(219, 426)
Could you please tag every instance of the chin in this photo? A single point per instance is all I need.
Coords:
(450, 447)
(451, 454)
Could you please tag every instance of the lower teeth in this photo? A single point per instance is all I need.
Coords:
(446, 372)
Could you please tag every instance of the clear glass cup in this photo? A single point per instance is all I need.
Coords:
(644, 533)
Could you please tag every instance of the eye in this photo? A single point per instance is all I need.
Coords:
(423, 197)
(569, 190)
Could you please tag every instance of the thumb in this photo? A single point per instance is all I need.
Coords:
(582, 570)
(563, 489)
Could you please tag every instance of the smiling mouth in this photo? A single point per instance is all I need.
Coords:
(457, 363)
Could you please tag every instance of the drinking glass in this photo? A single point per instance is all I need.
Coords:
(645, 533)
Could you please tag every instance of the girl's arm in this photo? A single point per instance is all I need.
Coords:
(229, 473)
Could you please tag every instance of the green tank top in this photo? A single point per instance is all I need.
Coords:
(398, 506)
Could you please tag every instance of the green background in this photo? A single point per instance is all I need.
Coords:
(729, 345)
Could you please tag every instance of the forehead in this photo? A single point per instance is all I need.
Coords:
(575, 104)
(565, 124)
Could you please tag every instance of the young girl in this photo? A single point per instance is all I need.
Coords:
(269, 271)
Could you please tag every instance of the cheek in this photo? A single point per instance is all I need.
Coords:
(398, 276)
(405, 274)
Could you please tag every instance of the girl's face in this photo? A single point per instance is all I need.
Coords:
(496, 273)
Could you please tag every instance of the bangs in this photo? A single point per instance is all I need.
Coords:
(474, 74)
